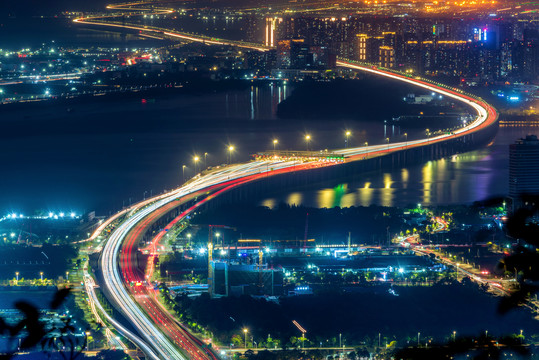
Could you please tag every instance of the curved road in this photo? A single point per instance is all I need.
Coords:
(162, 336)
(151, 320)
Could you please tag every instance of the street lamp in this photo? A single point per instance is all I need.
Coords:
(387, 139)
(347, 134)
(428, 135)
(17, 275)
(406, 140)
(205, 155)
(217, 236)
(275, 142)
(245, 331)
(183, 173)
(67, 275)
(41, 275)
(230, 149)
(196, 159)
(88, 337)
(367, 149)
(307, 140)
(458, 271)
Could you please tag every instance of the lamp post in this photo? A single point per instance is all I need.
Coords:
(41, 275)
(458, 271)
(454, 335)
(183, 173)
(245, 331)
(144, 195)
(307, 140)
(428, 135)
(196, 159)
(275, 142)
(17, 276)
(406, 140)
(88, 337)
(347, 134)
(387, 139)
(230, 149)
(67, 276)
(205, 156)
(367, 149)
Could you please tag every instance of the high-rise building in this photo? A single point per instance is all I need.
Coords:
(271, 31)
(523, 168)
(387, 56)
(361, 47)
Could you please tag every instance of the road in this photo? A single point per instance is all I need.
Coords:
(494, 284)
(160, 32)
(161, 336)
(150, 319)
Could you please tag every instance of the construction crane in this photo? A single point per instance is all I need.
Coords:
(210, 252)
(260, 262)
(306, 233)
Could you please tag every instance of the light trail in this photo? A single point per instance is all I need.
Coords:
(152, 321)
(215, 181)
(243, 173)
(94, 20)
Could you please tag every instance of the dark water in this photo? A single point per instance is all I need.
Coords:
(101, 156)
(21, 33)
(463, 178)
(39, 298)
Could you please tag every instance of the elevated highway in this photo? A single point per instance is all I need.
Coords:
(159, 335)
(153, 322)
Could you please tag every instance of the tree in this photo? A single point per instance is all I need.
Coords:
(236, 340)
(525, 262)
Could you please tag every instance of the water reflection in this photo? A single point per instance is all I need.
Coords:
(462, 178)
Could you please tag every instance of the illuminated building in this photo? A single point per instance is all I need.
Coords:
(387, 56)
(361, 47)
(271, 33)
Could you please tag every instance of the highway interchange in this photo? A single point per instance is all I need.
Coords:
(160, 336)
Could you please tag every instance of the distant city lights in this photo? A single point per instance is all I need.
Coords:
(49, 215)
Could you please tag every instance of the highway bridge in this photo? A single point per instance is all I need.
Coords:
(160, 336)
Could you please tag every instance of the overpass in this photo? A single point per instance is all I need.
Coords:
(160, 336)
(148, 317)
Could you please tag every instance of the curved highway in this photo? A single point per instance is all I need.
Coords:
(163, 338)
(100, 20)
(151, 326)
